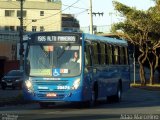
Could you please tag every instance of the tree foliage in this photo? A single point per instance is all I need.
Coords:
(142, 28)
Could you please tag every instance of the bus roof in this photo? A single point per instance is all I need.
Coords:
(109, 40)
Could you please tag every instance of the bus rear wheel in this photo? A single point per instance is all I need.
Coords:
(117, 96)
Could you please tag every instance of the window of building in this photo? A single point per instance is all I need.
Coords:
(20, 0)
(19, 13)
(41, 28)
(9, 28)
(9, 13)
(41, 13)
(24, 28)
(34, 28)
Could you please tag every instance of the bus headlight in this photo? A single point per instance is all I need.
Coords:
(28, 84)
(76, 84)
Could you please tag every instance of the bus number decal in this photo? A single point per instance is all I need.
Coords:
(41, 38)
(63, 87)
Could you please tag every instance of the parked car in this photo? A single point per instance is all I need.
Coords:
(12, 79)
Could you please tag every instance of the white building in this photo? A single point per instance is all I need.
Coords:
(38, 15)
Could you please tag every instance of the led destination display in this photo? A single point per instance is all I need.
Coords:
(42, 38)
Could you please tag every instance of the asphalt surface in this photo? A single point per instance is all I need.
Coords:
(136, 104)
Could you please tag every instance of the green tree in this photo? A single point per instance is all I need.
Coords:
(142, 29)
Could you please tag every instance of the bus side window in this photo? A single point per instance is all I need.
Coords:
(103, 57)
(95, 53)
(87, 59)
(116, 54)
(109, 58)
(126, 55)
(87, 56)
(122, 56)
(99, 53)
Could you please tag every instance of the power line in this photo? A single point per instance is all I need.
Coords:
(58, 12)
(75, 7)
(76, 14)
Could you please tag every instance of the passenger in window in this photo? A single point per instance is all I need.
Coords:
(75, 58)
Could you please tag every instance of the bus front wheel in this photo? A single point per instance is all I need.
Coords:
(93, 99)
(94, 96)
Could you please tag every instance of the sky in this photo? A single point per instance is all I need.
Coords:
(79, 9)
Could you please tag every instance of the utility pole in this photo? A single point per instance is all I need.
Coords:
(91, 18)
(21, 50)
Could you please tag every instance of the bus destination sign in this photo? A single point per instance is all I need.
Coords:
(56, 38)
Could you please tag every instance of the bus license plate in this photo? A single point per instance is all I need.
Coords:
(51, 95)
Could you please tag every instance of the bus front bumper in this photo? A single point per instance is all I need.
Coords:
(69, 96)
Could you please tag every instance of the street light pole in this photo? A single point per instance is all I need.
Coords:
(91, 18)
(21, 36)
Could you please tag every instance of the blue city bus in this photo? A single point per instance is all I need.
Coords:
(101, 70)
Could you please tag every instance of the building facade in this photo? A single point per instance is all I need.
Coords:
(38, 15)
(70, 23)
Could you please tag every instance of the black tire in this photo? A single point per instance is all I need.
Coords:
(93, 100)
(117, 97)
(94, 96)
(91, 103)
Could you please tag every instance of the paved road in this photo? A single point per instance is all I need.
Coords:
(9, 93)
(136, 104)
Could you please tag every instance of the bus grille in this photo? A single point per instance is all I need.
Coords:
(51, 82)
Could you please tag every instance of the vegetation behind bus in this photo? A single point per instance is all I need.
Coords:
(141, 28)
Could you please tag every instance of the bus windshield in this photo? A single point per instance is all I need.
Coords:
(54, 60)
